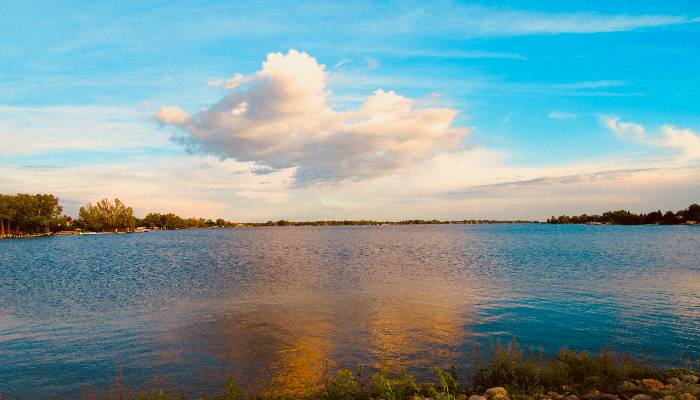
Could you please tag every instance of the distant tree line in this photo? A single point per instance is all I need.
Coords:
(109, 215)
(622, 217)
(26, 214)
(172, 221)
(373, 222)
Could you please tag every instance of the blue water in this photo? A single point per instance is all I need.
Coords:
(184, 310)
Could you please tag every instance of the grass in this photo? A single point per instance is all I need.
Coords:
(535, 373)
(525, 374)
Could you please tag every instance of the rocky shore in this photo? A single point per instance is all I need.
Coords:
(678, 385)
(684, 386)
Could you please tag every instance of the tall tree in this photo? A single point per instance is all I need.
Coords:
(106, 214)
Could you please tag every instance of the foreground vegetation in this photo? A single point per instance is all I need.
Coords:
(509, 374)
(690, 215)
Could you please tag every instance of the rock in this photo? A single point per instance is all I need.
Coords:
(461, 396)
(593, 394)
(608, 396)
(689, 378)
(686, 396)
(642, 396)
(652, 384)
(674, 381)
(491, 392)
(416, 397)
(499, 397)
(571, 397)
(567, 388)
(477, 397)
(628, 386)
(669, 397)
(555, 396)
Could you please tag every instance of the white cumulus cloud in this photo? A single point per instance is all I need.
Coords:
(281, 119)
(684, 142)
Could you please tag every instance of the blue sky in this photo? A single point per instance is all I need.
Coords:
(597, 103)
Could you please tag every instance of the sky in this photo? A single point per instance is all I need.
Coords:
(257, 111)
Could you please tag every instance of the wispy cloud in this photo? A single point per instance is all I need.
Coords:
(561, 116)
(451, 54)
(36, 130)
(372, 63)
(342, 62)
(560, 179)
(601, 88)
(473, 20)
(628, 130)
(589, 84)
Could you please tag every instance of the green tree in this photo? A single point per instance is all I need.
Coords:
(171, 221)
(106, 214)
(28, 213)
(7, 213)
(670, 218)
(692, 213)
(152, 220)
(46, 213)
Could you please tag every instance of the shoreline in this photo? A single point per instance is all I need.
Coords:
(313, 224)
(508, 374)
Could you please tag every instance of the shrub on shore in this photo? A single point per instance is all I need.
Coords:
(535, 373)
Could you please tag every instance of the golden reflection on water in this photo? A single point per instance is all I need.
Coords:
(301, 368)
(291, 344)
(416, 332)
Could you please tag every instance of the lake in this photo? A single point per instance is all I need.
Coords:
(281, 306)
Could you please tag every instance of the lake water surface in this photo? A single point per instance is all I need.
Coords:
(281, 306)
